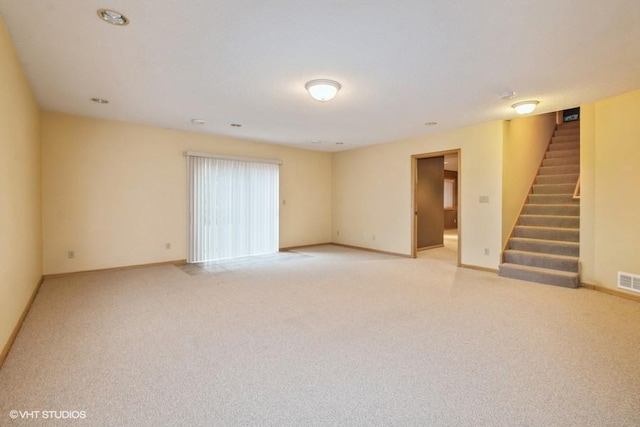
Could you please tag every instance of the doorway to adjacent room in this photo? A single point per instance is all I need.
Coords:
(436, 202)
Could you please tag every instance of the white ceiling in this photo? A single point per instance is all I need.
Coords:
(400, 63)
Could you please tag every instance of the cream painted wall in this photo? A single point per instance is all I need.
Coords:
(116, 192)
(610, 196)
(372, 192)
(20, 190)
(526, 141)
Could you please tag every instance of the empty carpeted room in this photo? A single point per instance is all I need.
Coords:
(319, 213)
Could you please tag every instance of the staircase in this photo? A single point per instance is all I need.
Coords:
(545, 246)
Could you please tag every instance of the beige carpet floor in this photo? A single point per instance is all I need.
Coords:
(331, 337)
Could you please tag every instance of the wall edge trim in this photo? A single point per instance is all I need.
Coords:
(125, 267)
(478, 268)
(372, 250)
(610, 291)
(312, 245)
(16, 329)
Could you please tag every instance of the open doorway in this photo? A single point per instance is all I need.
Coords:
(436, 203)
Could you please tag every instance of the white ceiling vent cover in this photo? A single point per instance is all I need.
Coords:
(630, 282)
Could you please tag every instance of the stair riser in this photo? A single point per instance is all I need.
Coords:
(570, 210)
(569, 124)
(565, 138)
(560, 248)
(567, 131)
(562, 153)
(537, 260)
(547, 279)
(561, 161)
(563, 146)
(559, 170)
(571, 178)
(551, 199)
(553, 188)
(560, 234)
(550, 221)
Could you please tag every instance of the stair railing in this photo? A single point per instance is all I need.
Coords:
(576, 191)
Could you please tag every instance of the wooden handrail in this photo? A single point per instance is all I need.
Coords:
(576, 191)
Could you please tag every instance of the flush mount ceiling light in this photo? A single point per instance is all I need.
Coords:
(100, 100)
(525, 107)
(322, 89)
(112, 17)
(197, 121)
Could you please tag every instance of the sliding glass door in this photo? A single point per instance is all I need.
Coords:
(233, 207)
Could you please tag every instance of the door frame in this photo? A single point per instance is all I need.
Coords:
(414, 204)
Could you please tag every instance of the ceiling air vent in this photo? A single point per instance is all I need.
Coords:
(630, 282)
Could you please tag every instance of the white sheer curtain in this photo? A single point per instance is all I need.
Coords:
(233, 207)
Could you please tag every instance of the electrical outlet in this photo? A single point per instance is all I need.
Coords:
(373, 237)
(484, 199)
(71, 254)
(337, 232)
(167, 245)
(486, 251)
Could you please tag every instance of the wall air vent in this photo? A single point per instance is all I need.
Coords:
(629, 282)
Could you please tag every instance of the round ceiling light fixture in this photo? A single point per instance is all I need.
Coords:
(525, 107)
(112, 17)
(323, 89)
(197, 121)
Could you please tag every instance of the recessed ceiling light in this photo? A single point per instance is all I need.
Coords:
(100, 100)
(316, 141)
(322, 89)
(431, 123)
(113, 17)
(236, 125)
(339, 143)
(525, 107)
(197, 121)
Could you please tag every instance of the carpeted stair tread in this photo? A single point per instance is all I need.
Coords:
(574, 152)
(564, 188)
(561, 161)
(548, 233)
(540, 275)
(558, 139)
(568, 178)
(556, 247)
(537, 259)
(567, 131)
(559, 170)
(551, 199)
(564, 146)
(560, 221)
(570, 209)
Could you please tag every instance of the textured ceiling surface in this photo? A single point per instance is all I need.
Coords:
(400, 64)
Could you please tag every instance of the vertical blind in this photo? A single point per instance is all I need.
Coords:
(233, 207)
